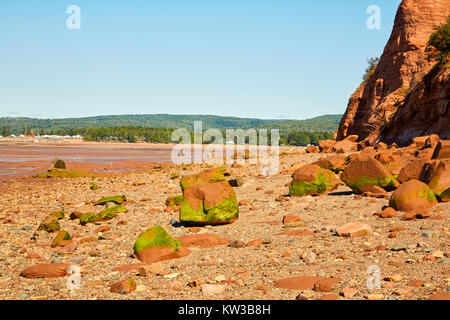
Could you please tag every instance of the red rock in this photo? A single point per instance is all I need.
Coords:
(326, 285)
(254, 243)
(282, 198)
(262, 287)
(290, 219)
(388, 213)
(326, 146)
(201, 240)
(312, 149)
(124, 287)
(102, 229)
(349, 292)
(372, 111)
(415, 283)
(301, 283)
(52, 270)
(155, 254)
(344, 146)
(411, 171)
(440, 296)
(442, 150)
(353, 230)
(412, 195)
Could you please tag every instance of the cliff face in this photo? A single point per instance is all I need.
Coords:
(405, 96)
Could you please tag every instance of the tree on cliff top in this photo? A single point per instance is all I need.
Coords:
(440, 40)
(372, 64)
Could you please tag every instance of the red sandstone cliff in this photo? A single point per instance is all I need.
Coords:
(406, 96)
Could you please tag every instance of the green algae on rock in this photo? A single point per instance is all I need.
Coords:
(156, 244)
(412, 195)
(89, 218)
(58, 214)
(50, 224)
(440, 182)
(110, 213)
(209, 176)
(115, 199)
(62, 235)
(312, 180)
(363, 172)
(208, 199)
(174, 201)
(63, 174)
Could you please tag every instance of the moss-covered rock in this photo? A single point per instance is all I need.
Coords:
(110, 213)
(312, 180)
(90, 217)
(50, 224)
(115, 199)
(207, 176)
(93, 186)
(58, 164)
(334, 163)
(363, 172)
(62, 235)
(63, 174)
(440, 183)
(58, 214)
(174, 201)
(208, 199)
(412, 195)
(156, 244)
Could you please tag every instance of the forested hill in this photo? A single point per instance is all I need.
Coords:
(328, 123)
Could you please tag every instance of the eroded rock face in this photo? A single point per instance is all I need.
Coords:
(404, 96)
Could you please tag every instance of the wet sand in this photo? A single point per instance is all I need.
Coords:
(24, 159)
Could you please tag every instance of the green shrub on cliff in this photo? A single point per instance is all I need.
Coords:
(440, 40)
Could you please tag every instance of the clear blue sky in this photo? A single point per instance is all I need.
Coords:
(250, 58)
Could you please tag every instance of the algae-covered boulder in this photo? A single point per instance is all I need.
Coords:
(115, 199)
(62, 235)
(110, 213)
(58, 164)
(334, 163)
(90, 217)
(412, 195)
(363, 171)
(50, 224)
(58, 214)
(174, 201)
(312, 180)
(156, 244)
(208, 199)
(207, 176)
(440, 183)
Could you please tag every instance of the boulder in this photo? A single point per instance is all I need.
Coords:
(411, 171)
(57, 164)
(50, 270)
(362, 172)
(124, 286)
(115, 199)
(326, 146)
(345, 146)
(156, 245)
(62, 235)
(312, 180)
(334, 163)
(50, 224)
(412, 195)
(312, 149)
(440, 182)
(352, 230)
(442, 150)
(208, 199)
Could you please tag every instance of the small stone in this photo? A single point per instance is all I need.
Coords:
(349, 292)
(212, 289)
(394, 278)
(124, 287)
